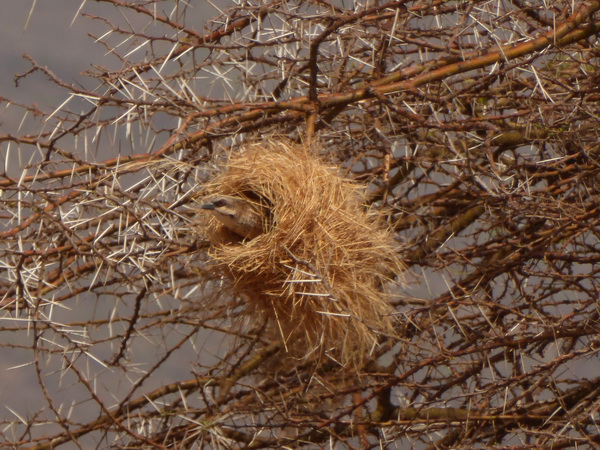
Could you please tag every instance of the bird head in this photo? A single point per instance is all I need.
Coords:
(243, 217)
(223, 205)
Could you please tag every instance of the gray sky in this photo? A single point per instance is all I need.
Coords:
(52, 41)
(52, 32)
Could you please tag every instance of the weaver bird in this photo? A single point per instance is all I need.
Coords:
(243, 217)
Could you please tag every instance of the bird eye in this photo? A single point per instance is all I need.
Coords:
(219, 203)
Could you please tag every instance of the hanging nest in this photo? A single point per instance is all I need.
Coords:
(316, 274)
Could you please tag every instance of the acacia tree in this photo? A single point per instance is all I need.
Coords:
(473, 125)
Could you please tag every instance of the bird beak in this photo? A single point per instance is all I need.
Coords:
(208, 205)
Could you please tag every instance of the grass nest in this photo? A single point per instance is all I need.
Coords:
(316, 274)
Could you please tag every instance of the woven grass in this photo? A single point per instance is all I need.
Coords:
(316, 274)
